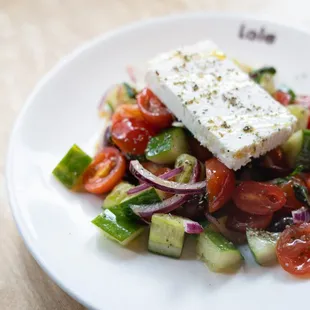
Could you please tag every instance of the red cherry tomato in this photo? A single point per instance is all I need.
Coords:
(105, 172)
(153, 110)
(239, 221)
(131, 135)
(127, 111)
(258, 198)
(283, 97)
(293, 249)
(220, 184)
(288, 188)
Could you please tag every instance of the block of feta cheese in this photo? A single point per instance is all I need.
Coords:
(224, 109)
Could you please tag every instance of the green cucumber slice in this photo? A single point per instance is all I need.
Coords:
(166, 235)
(167, 146)
(301, 113)
(263, 246)
(219, 254)
(292, 147)
(115, 225)
(71, 168)
(145, 197)
(188, 163)
(118, 194)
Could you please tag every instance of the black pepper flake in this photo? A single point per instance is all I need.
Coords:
(199, 122)
(195, 87)
(186, 58)
(225, 125)
(157, 73)
(248, 128)
(176, 69)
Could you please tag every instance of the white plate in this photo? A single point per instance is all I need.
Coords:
(55, 223)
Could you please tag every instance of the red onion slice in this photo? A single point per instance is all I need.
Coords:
(166, 206)
(164, 176)
(301, 215)
(192, 227)
(167, 186)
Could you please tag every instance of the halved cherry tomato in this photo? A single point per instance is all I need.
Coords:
(288, 188)
(258, 198)
(239, 221)
(131, 135)
(220, 184)
(153, 110)
(105, 172)
(127, 111)
(283, 97)
(293, 249)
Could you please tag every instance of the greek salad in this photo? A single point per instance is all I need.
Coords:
(210, 147)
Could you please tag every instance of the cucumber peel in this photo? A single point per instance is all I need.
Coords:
(71, 168)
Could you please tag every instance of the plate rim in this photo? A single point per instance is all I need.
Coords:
(44, 79)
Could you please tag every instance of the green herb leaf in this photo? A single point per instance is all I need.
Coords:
(301, 194)
(297, 170)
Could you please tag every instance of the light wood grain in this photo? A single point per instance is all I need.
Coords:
(34, 35)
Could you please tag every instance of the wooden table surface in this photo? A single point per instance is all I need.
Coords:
(34, 35)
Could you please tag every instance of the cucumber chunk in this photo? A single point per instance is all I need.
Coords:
(115, 225)
(167, 146)
(188, 163)
(301, 113)
(166, 235)
(118, 194)
(219, 254)
(71, 168)
(292, 147)
(263, 246)
(145, 197)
